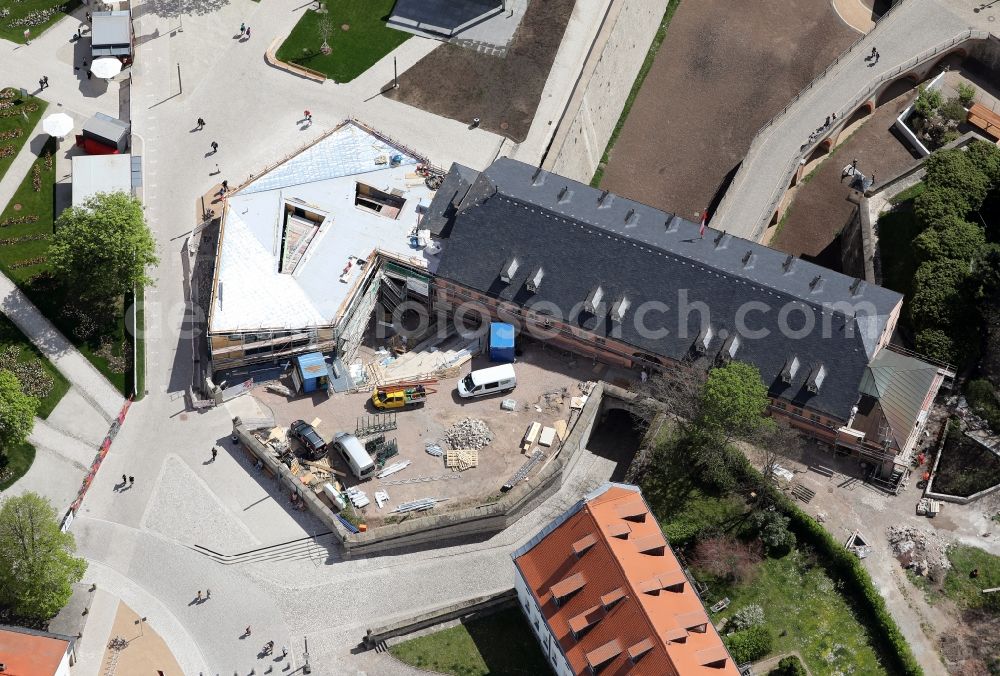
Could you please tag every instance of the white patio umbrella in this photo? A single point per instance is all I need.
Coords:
(58, 125)
(106, 67)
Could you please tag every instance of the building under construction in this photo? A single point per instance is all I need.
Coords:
(310, 249)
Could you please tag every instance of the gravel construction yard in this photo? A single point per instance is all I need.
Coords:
(538, 372)
(725, 68)
(462, 84)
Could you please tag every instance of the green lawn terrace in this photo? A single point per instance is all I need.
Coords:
(37, 16)
(355, 33)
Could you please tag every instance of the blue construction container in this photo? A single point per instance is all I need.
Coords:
(311, 372)
(501, 342)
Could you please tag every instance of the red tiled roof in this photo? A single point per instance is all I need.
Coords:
(632, 612)
(29, 654)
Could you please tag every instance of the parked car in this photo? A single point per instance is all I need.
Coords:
(309, 438)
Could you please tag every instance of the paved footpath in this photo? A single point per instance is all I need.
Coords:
(912, 27)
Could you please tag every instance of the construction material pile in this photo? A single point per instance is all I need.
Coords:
(468, 433)
(926, 553)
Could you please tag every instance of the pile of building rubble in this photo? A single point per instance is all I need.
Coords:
(468, 433)
(925, 553)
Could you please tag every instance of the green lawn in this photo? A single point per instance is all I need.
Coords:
(15, 463)
(99, 335)
(354, 50)
(799, 598)
(500, 644)
(966, 591)
(13, 110)
(18, 10)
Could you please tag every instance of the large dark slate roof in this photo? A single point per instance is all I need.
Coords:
(632, 250)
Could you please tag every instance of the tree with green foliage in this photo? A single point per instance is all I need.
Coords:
(937, 344)
(104, 247)
(17, 411)
(938, 203)
(954, 170)
(749, 645)
(937, 291)
(789, 666)
(37, 566)
(966, 93)
(951, 237)
(986, 158)
(734, 402)
(928, 101)
(772, 529)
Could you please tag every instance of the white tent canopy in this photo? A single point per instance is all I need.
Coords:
(58, 125)
(106, 67)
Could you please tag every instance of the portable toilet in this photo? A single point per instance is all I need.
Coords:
(311, 372)
(501, 342)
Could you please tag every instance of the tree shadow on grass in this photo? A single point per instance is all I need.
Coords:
(506, 644)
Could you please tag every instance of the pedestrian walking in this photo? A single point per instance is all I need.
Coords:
(215, 452)
(225, 189)
(90, 74)
(243, 28)
(215, 147)
(873, 178)
(124, 479)
(308, 117)
(877, 57)
(201, 123)
(208, 594)
(199, 595)
(854, 164)
(827, 123)
(247, 632)
(284, 651)
(475, 122)
(131, 481)
(834, 117)
(88, 17)
(41, 83)
(45, 79)
(874, 52)
(248, 32)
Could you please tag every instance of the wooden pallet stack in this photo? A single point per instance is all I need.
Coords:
(461, 459)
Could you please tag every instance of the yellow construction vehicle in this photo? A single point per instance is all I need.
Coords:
(399, 396)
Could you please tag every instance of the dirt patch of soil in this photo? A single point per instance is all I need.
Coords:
(821, 208)
(461, 84)
(724, 70)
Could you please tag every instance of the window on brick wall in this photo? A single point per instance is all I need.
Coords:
(797, 411)
(814, 417)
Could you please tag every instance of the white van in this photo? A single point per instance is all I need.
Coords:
(354, 454)
(488, 381)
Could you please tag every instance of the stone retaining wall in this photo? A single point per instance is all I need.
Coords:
(605, 82)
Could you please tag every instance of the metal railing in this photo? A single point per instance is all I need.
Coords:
(853, 103)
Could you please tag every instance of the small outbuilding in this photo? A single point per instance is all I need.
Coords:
(103, 135)
(111, 35)
(94, 174)
(311, 372)
(501, 342)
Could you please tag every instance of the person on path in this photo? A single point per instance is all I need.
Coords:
(854, 164)
(41, 83)
(208, 594)
(131, 481)
(124, 479)
(877, 57)
(308, 117)
(90, 74)
(215, 147)
(248, 32)
(247, 632)
(284, 652)
(874, 52)
(201, 123)
(225, 189)
(88, 17)
(243, 29)
(827, 123)
(833, 117)
(45, 79)
(215, 452)
(199, 596)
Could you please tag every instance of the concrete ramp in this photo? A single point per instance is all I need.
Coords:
(441, 18)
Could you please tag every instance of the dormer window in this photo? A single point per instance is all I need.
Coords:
(816, 378)
(534, 280)
(594, 300)
(790, 369)
(509, 270)
(619, 308)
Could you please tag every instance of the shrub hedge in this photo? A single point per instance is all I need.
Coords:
(749, 645)
(789, 666)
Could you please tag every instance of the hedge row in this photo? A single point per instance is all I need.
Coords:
(748, 645)
(841, 565)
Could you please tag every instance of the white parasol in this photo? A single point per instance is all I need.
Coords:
(106, 67)
(58, 125)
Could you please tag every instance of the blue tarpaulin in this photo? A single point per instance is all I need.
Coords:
(501, 342)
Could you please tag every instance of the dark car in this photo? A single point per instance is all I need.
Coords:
(308, 437)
